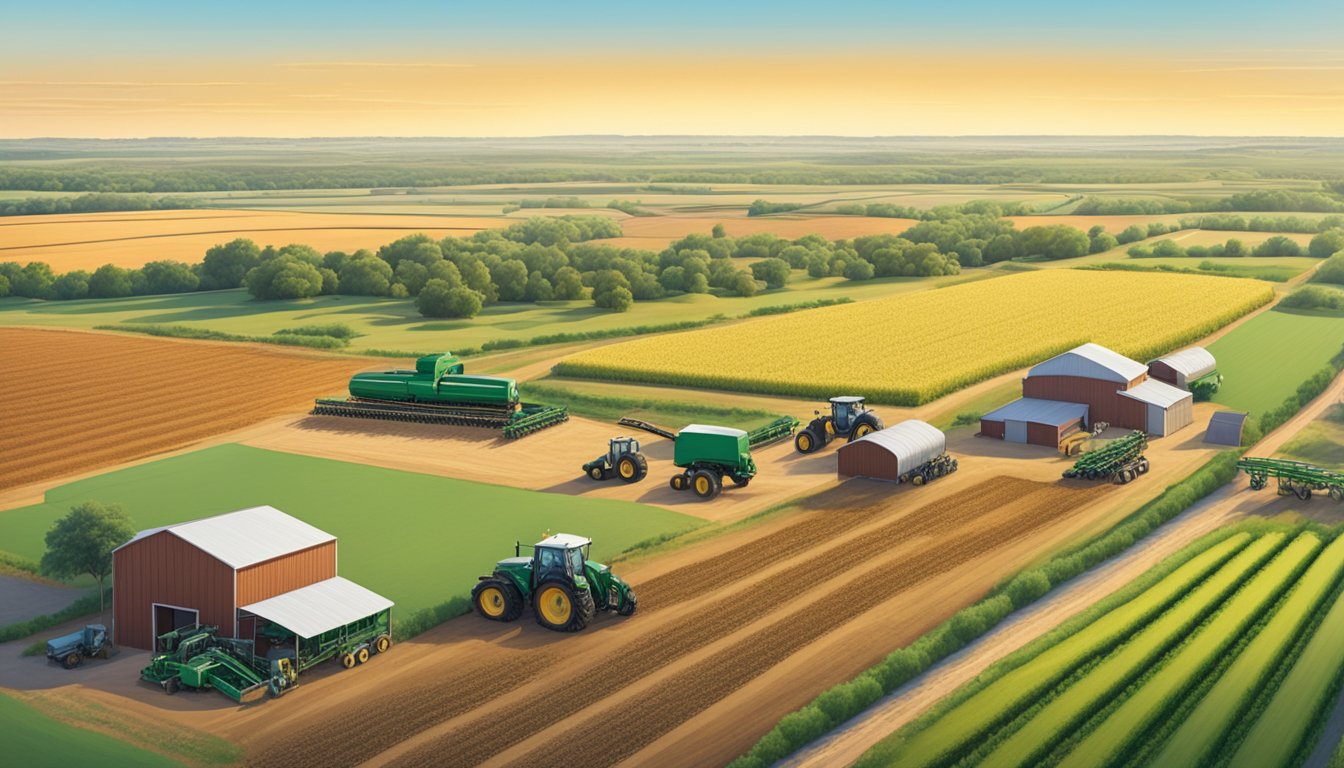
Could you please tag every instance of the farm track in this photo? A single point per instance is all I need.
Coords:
(124, 397)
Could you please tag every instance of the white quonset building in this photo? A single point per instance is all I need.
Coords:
(889, 453)
(1180, 368)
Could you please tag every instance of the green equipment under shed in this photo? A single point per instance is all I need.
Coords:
(439, 391)
(1296, 478)
(1120, 460)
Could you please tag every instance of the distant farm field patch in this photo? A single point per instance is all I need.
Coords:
(1265, 359)
(910, 349)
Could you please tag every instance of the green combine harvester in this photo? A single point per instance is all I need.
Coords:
(1120, 460)
(439, 392)
(565, 587)
(1296, 478)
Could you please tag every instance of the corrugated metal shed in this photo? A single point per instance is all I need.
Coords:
(912, 442)
(245, 537)
(1225, 428)
(1192, 363)
(1154, 392)
(1032, 410)
(1091, 361)
(320, 607)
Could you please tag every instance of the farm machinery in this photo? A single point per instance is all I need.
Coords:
(565, 587)
(1296, 478)
(438, 391)
(1071, 443)
(622, 459)
(1120, 460)
(1205, 387)
(848, 417)
(71, 650)
(707, 454)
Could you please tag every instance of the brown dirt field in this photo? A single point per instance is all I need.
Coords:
(125, 397)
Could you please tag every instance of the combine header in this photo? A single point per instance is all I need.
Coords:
(1295, 478)
(438, 392)
(1120, 460)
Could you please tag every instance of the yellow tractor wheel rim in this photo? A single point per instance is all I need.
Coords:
(805, 442)
(702, 485)
(862, 430)
(830, 427)
(363, 655)
(492, 601)
(555, 606)
(383, 644)
(627, 469)
(348, 660)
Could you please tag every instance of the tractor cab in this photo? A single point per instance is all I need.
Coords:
(844, 412)
(620, 446)
(560, 557)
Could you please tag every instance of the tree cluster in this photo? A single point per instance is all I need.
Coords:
(95, 202)
(1172, 249)
(1227, 221)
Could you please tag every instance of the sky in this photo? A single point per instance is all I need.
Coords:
(781, 67)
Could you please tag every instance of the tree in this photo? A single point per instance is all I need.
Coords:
(440, 299)
(413, 275)
(365, 275)
(34, 281)
(858, 269)
(1279, 245)
(538, 288)
(1327, 243)
(1103, 241)
(169, 277)
(697, 283)
(226, 265)
(82, 542)
(510, 277)
(419, 248)
(718, 231)
(568, 284)
(611, 290)
(110, 282)
(284, 277)
(331, 282)
(1235, 247)
(673, 279)
(1331, 270)
(446, 271)
(773, 272)
(1132, 234)
(477, 277)
(4, 286)
(71, 285)
(744, 284)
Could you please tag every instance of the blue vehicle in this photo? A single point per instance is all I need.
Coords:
(849, 418)
(71, 650)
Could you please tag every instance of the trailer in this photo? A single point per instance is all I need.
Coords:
(1120, 460)
(1296, 478)
(779, 429)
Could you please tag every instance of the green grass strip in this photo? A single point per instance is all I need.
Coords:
(1108, 678)
(1302, 699)
(1108, 743)
(956, 731)
(1204, 730)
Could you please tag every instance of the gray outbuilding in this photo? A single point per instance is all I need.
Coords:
(1225, 428)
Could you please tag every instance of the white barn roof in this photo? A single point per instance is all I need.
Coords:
(1157, 393)
(1091, 361)
(309, 611)
(246, 537)
(912, 442)
(1037, 411)
(1191, 363)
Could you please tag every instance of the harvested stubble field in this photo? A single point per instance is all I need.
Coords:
(78, 401)
(689, 642)
(913, 348)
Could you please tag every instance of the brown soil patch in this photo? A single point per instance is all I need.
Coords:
(76, 401)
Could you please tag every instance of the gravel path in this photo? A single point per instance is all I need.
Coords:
(22, 599)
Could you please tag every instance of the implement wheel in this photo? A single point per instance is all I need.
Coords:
(382, 644)
(805, 441)
(348, 660)
(678, 482)
(1337, 493)
(632, 467)
(596, 473)
(560, 607)
(362, 655)
(497, 599)
(706, 484)
(916, 479)
(1302, 492)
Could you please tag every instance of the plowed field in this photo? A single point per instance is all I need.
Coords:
(705, 629)
(77, 401)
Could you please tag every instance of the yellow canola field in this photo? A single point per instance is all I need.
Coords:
(912, 348)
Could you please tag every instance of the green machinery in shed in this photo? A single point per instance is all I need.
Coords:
(1296, 478)
(438, 391)
(1120, 460)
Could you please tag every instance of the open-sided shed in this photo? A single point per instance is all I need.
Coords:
(889, 453)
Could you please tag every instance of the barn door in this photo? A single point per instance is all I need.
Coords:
(1015, 431)
(1157, 420)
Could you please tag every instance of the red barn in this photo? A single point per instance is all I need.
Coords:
(201, 572)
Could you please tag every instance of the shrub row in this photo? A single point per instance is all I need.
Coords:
(183, 332)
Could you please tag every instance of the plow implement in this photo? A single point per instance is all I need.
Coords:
(1120, 460)
(514, 422)
(1296, 478)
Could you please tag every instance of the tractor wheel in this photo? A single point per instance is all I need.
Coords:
(805, 441)
(362, 655)
(706, 484)
(595, 471)
(71, 660)
(862, 428)
(382, 644)
(348, 660)
(497, 599)
(678, 482)
(631, 468)
(739, 481)
(627, 606)
(561, 608)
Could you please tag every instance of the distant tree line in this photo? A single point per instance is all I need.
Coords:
(1227, 221)
(1268, 200)
(93, 203)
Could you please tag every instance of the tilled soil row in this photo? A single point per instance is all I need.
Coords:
(640, 723)
(471, 744)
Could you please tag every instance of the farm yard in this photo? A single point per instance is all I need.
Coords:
(904, 367)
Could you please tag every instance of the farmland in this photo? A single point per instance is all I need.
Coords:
(1222, 653)
(1265, 359)
(35, 739)
(904, 357)
(353, 502)
(1321, 442)
(79, 401)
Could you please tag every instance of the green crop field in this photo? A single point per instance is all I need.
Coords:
(34, 740)
(1227, 653)
(1265, 359)
(421, 540)
(1320, 442)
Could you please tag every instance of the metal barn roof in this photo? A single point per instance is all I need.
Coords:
(1191, 363)
(1225, 428)
(912, 442)
(246, 537)
(706, 429)
(309, 611)
(1091, 361)
(1157, 393)
(1036, 411)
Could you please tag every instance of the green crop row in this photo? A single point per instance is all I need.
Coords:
(1225, 704)
(1162, 692)
(1116, 671)
(964, 726)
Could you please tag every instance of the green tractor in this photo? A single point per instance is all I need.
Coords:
(565, 587)
(622, 459)
(848, 417)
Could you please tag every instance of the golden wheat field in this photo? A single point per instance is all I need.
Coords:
(912, 348)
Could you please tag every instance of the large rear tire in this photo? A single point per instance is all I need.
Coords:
(805, 441)
(631, 468)
(706, 484)
(497, 599)
(561, 608)
(865, 427)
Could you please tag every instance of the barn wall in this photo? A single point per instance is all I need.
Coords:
(1180, 415)
(867, 459)
(991, 428)
(1104, 404)
(286, 573)
(162, 568)
(1043, 434)
(1163, 372)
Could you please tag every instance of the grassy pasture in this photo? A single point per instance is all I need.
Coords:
(421, 540)
(1322, 442)
(1264, 359)
(36, 740)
